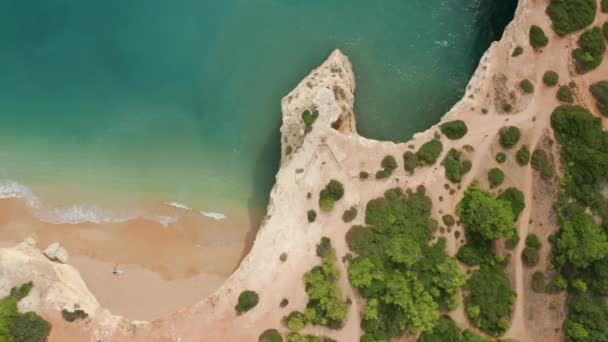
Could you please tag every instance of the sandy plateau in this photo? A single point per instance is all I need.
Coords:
(334, 150)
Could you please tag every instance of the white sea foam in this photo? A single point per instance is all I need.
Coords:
(73, 214)
(178, 205)
(215, 216)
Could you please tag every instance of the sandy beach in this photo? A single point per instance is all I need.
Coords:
(165, 268)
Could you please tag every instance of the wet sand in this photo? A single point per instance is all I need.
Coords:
(166, 268)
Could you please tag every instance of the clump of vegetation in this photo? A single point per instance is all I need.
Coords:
(349, 215)
(530, 254)
(311, 215)
(389, 164)
(326, 304)
(454, 130)
(284, 302)
(509, 136)
(72, 316)
(295, 337)
(526, 86)
(605, 29)
(410, 161)
(454, 167)
(270, 335)
(309, 118)
(600, 93)
(523, 156)
(516, 200)
(537, 36)
(247, 300)
(495, 177)
(550, 78)
(512, 242)
(564, 94)
(333, 192)
(429, 152)
(448, 220)
(605, 6)
(404, 279)
(507, 107)
(591, 52)
(484, 215)
(568, 16)
(580, 246)
(501, 157)
(363, 175)
(540, 162)
(538, 282)
(17, 326)
(517, 51)
(447, 330)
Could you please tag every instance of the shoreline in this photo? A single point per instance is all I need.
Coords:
(167, 267)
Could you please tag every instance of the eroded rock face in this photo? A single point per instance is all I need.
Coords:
(56, 252)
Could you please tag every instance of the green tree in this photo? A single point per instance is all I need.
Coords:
(581, 241)
(482, 214)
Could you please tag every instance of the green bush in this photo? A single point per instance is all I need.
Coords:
(410, 161)
(529, 256)
(448, 220)
(515, 198)
(523, 156)
(605, 29)
(429, 152)
(349, 215)
(454, 167)
(501, 157)
(482, 214)
(446, 330)
(454, 129)
(540, 162)
(295, 321)
(509, 136)
(309, 118)
(571, 15)
(389, 164)
(495, 177)
(71, 316)
(537, 36)
(538, 282)
(270, 335)
(311, 215)
(363, 175)
(533, 242)
(517, 51)
(604, 6)
(333, 192)
(512, 242)
(21, 327)
(564, 94)
(403, 278)
(550, 78)
(526, 86)
(599, 91)
(284, 302)
(247, 300)
(591, 52)
(490, 300)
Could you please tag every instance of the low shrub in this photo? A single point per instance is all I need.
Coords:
(600, 93)
(523, 156)
(540, 162)
(16, 326)
(529, 256)
(454, 129)
(284, 302)
(568, 16)
(270, 335)
(363, 175)
(550, 78)
(311, 215)
(532, 241)
(517, 51)
(309, 118)
(247, 300)
(295, 321)
(591, 51)
(454, 167)
(71, 316)
(495, 177)
(501, 157)
(537, 36)
(448, 220)
(349, 215)
(516, 200)
(429, 152)
(512, 242)
(605, 6)
(564, 94)
(333, 192)
(389, 164)
(538, 282)
(509, 136)
(605, 29)
(526, 86)
(410, 161)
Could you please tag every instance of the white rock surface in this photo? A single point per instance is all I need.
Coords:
(56, 252)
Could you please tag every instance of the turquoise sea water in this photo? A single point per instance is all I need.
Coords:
(180, 100)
